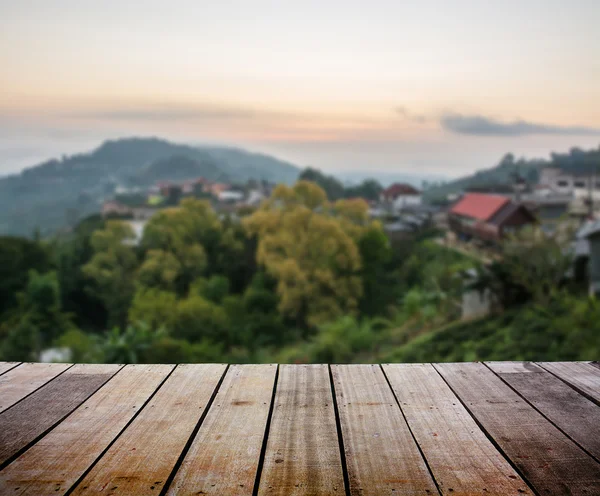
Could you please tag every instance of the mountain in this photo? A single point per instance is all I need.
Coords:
(57, 192)
(575, 161)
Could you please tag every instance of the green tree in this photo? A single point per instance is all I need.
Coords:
(37, 321)
(112, 269)
(538, 261)
(310, 251)
(129, 345)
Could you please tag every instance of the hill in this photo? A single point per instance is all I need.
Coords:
(57, 192)
(569, 331)
(504, 173)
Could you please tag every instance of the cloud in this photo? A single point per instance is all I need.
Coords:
(405, 113)
(478, 125)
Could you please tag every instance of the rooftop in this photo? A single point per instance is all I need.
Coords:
(479, 206)
(497, 428)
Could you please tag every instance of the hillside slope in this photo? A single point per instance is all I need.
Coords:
(569, 331)
(58, 192)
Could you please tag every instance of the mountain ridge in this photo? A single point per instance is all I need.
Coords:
(50, 194)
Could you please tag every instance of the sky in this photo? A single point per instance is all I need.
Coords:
(428, 86)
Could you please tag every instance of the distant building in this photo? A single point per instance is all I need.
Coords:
(398, 196)
(230, 196)
(113, 207)
(576, 184)
(488, 218)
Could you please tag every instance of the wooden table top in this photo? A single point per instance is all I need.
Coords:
(497, 428)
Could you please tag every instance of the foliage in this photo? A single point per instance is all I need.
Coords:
(567, 329)
(537, 261)
(130, 345)
(17, 257)
(310, 251)
(112, 269)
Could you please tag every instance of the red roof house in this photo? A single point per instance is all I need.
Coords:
(487, 217)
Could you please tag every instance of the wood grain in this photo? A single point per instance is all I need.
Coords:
(25, 379)
(381, 454)
(60, 458)
(571, 412)
(582, 376)
(130, 466)
(303, 455)
(38, 412)
(224, 456)
(6, 366)
(549, 460)
(462, 459)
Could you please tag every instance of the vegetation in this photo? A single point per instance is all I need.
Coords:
(299, 279)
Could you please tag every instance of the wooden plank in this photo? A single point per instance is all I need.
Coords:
(571, 412)
(302, 454)
(224, 456)
(549, 460)
(24, 380)
(130, 466)
(381, 454)
(462, 459)
(582, 376)
(30, 418)
(61, 457)
(6, 366)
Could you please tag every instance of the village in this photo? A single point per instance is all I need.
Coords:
(474, 222)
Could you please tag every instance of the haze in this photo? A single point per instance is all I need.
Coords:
(383, 85)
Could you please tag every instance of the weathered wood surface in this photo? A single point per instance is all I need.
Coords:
(131, 465)
(23, 380)
(303, 453)
(224, 456)
(423, 429)
(584, 377)
(548, 459)
(6, 366)
(60, 458)
(572, 413)
(381, 455)
(30, 418)
(462, 459)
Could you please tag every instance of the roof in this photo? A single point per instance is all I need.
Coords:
(479, 205)
(507, 211)
(398, 189)
(278, 430)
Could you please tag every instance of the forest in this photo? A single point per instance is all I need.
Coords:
(300, 279)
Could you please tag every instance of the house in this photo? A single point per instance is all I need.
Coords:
(230, 196)
(399, 196)
(115, 208)
(488, 218)
(577, 184)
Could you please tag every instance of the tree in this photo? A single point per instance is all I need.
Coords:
(38, 319)
(333, 188)
(192, 235)
(310, 251)
(17, 257)
(112, 269)
(538, 261)
(155, 307)
(130, 345)
(378, 277)
(369, 189)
